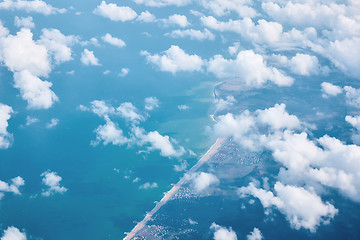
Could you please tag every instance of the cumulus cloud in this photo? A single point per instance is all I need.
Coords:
(255, 235)
(352, 96)
(330, 90)
(35, 91)
(129, 112)
(36, 6)
(26, 22)
(13, 187)
(192, 34)
(117, 42)
(146, 17)
(249, 68)
(13, 233)
(223, 233)
(174, 60)
(6, 138)
(203, 182)
(148, 185)
(53, 123)
(225, 7)
(124, 72)
(151, 103)
(88, 58)
(52, 182)
(301, 207)
(31, 120)
(222, 104)
(163, 3)
(114, 12)
(176, 19)
(20, 53)
(109, 133)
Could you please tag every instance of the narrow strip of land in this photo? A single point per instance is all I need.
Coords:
(213, 149)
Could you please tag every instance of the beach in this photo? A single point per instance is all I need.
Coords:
(213, 149)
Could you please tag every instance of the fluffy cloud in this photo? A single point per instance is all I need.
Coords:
(13, 187)
(176, 19)
(255, 235)
(174, 60)
(35, 91)
(224, 7)
(88, 58)
(20, 53)
(151, 103)
(53, 123)
(31, 120)
(36, 6)
(146, 17)
(203, 182)
(163, 3)
(248, 67)
(6, 138)
(57, 44)
(117, 42)
(354, 121)
(12, 233)
(124, 72)
(26, 22)
(192, 34)
(52, 181)
(352, 96)
(221, 104)
(304, 64)
(157, 142)
(302, 208)
(109, 133)
(222, 233)
(129, 112)
(148, 185)
(330, 89)
(114, 12)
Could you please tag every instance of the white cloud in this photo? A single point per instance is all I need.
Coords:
(354, 121)
(234, 49)
(304, 64)
(114, 12)
(192, 34)
(203, 182)
(88, 58)
(224, 7)
(352, 96)
(36, 6)
(157, 142)
(174, 60)
(12, 233)
(183, 107)
(52, 181)
(100, 108)
(148, 185)
(35, 91)
(13, 187)
(330, 89)
(20, 53)
(6, 138)
(255, 235)
(163, 3)
(57, 44)
(302, 208)
(151, 103)
(3, 32)
(124, 72)
(248, 67)
(129, 112)
(117, 42)
(26, 22)
(146, 17)
(109, 133)
(31, 120)
(222, 233)
(221, 104)
(181, 167)
(176, 19)
(53, 123)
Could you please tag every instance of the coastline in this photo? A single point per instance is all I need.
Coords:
(212, 150)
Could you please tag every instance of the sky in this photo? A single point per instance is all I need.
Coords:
(116, 95)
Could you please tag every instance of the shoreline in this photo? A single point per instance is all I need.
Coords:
(212, 150)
